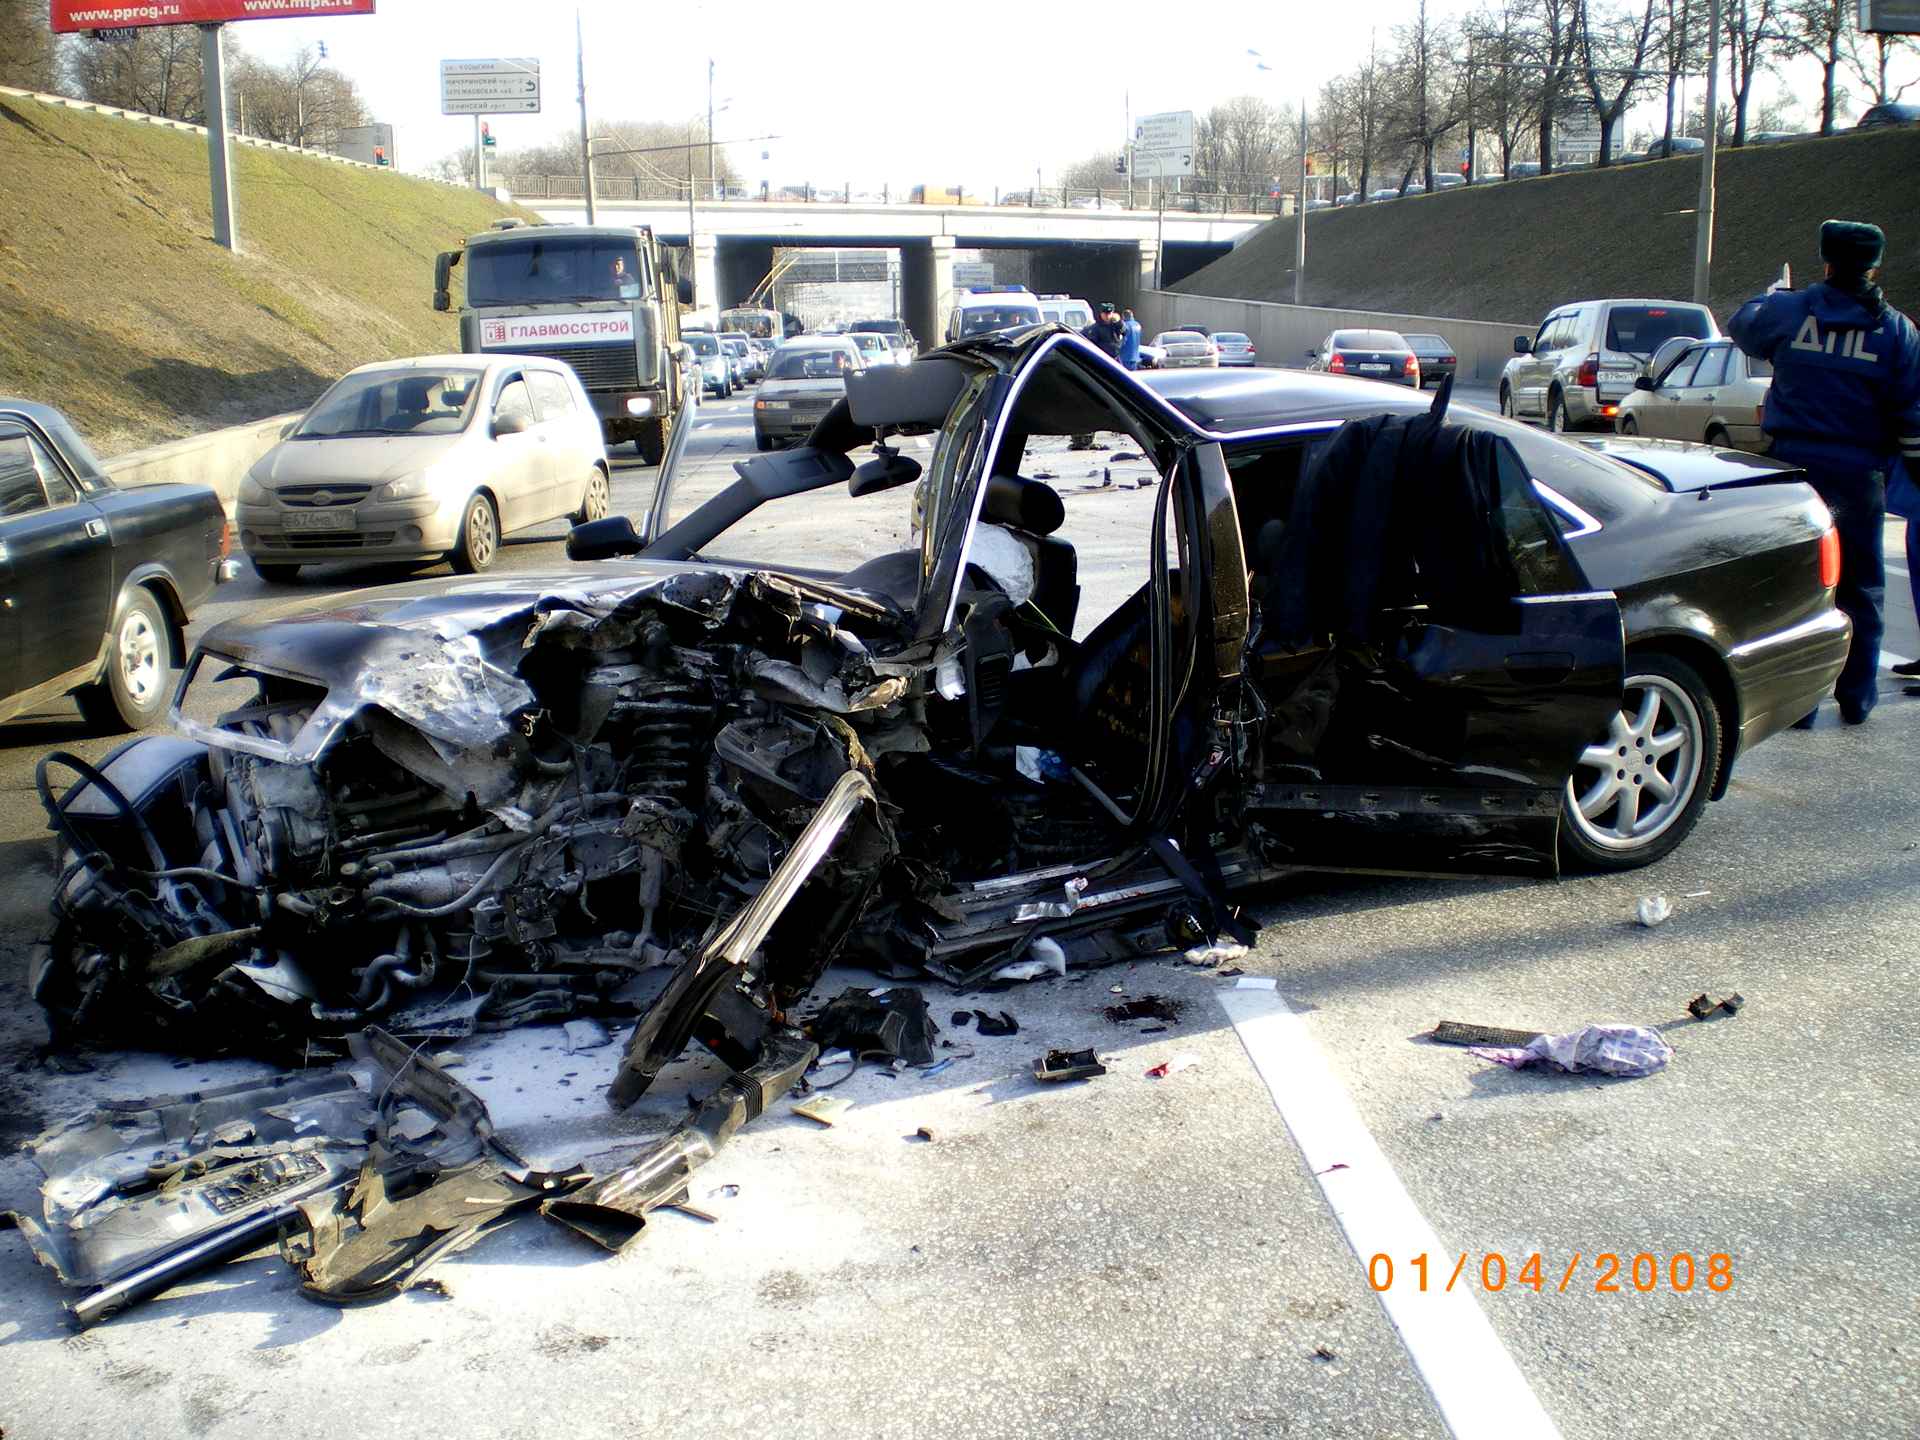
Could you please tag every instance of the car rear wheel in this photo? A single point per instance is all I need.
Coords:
(132, 693)
(763, 442)
(1557, 420)
(1506, 402)
(594, 500)
(276, 574)
(1718, 436)
(650, 444)
(1629, 425)
(1637, 791)
(479, 538)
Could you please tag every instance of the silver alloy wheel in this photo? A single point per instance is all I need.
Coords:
(1557, 415)
(1651, 754)
(480, 537)
(596, 504)
(141, 672)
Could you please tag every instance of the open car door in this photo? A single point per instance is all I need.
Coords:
(1431, 656)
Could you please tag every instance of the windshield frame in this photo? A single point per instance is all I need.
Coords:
(530, 244)
(364, 380)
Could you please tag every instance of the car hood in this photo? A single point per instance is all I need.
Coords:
(357, 460)
(1685, 467)
(443, 656)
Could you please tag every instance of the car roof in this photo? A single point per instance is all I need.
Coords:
(997, 297)
(1243, 399)
(492, 359)
(819, 342)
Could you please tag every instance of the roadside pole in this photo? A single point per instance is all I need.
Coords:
(213, 91)
(479, 158)
(1703, 214)
(1300, 215)
(586, 144)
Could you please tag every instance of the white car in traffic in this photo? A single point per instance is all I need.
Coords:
(431, 458)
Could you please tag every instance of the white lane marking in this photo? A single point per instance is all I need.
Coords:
(1475, 1383)
(1888, 660)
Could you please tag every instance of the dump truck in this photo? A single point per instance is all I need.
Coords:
(602, 298)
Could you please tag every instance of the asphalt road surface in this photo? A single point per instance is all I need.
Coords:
(1728, 1248)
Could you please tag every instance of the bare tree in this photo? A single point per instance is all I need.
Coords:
(156, 69)
(1429, 94)
(29, 57)
(304, 102)
(1753, 40)
(1242, 145)
(1554, 42)
(1505, 98)
(1869, 62)
(1336, 130)
(1369, 107)
(1820, 29)
(1612, 63)
(455, 166)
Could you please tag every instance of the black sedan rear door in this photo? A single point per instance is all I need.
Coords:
(56, 567)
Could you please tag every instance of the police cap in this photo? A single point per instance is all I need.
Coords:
(1851, 245)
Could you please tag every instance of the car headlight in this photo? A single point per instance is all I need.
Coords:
(407, 487)
(252, 492)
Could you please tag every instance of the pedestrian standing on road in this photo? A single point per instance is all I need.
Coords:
(1107, 332)
(1844, 403)
(1130, 344)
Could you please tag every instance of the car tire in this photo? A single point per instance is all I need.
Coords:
(1506, 402)
(1557, 419)
(276, 574)
(1628, 425)
(133, 691)
(650, 442)
(479, 539)
(1717, 436)
(595, 500)
(1663, 699)
(763, 442)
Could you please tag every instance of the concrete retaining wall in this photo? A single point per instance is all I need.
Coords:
(218, 458)
(1282, 334)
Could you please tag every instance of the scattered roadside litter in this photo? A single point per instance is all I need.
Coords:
(1174, 1066)
(993, 1026)
(1067, 1065)
(1217, 953)
(891, 1023)
(1324, 1355)
(1622, 1050)
(1147, 1007)
(1702, 1005)
(1652, 910)
(1461, 1032)
(1256, 982)
(935, 1069)
(1696, 894)
(1045, 958)
(586, 1035)
(826, 1109)
(924, 1134)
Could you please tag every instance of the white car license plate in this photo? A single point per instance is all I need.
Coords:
(341, 519)
(1622, 378)
(1375, 369)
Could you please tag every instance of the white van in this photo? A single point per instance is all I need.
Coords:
(992, 307)
(1066, 310)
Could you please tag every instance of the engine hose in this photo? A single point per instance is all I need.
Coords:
(347, 1016)
(57, 809)
(376, 973)
(459, 903)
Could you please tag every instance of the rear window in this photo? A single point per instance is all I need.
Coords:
(978, 319)
(1229, 337)
(701, 343)
(1643, 329)
(1428, 344)
(1367, 340)
(811, 364)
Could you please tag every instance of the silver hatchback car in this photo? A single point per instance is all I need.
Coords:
(423, 459)
(1584, 359)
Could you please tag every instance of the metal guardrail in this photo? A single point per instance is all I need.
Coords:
(667, 191)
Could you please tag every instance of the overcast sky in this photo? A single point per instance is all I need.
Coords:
(867, 91)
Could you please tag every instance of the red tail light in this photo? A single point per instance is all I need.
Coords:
(1412, 367)
(226, 540)
(1589, 373)
(1336, 363)
(1251, 350)
(1830, 558)
(1448, 360)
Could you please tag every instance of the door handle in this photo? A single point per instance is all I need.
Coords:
(96, 528)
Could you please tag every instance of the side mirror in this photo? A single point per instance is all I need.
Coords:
(683, 290)
(606, 539)
(1522, 345)
(1643, 382)
(515, 424)
(442, 280)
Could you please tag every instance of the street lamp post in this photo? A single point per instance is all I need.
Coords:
(586, 144)
(1703, 215)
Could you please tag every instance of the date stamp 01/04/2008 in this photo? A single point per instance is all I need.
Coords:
(1604, 1273)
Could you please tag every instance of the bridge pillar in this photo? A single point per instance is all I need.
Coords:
(1146, 274)
(706, 273)
(926, 287)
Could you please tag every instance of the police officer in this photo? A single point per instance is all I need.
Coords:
(1845, 400)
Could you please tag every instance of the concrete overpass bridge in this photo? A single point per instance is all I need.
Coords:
(1096, 254)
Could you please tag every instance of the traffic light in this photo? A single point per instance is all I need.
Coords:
(1120, 164)
(379, 154)
(486, 135)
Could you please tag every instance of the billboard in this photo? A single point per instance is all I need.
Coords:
(69, 16)
(490, 87)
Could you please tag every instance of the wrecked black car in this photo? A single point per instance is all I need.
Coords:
(676, 786)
